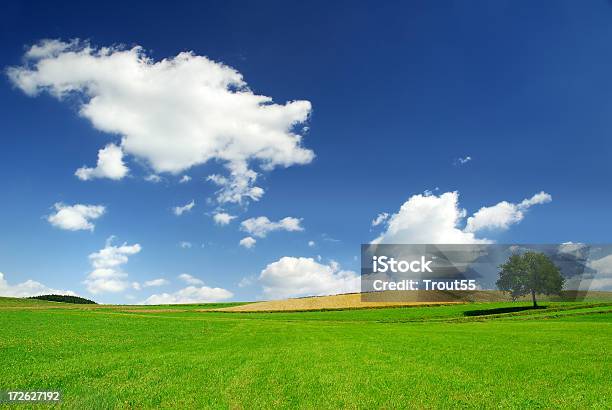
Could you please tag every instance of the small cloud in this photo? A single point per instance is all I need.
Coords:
(237, 188)
(153, 178)
(185, 244)
(110, 165)
(261, 226)
(184, 179)
(190, 294)
(382, 217)
(246, 281)
(462, 160)
(248, 242)
(312, 244)
(107, 275)
(180, 210)
(328, 238)
(155, 283)
(223, 218)
(75, 217)
(190, 280)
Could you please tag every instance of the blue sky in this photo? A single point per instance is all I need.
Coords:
(398, 94)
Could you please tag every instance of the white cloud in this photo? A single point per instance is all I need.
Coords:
(184, 179)
(28, 288)
(190, 294)
(107, 275)
(380, 218)
(222, 218)
(463, 160)
(153, 178)
(538, 199)
(261, 226)
(238, 186)
(180, 210)
(246, 281)
(603, 266)
(248, 242)
(503, 214)
(174, 114)
(601, 284)
(47, 48)
(190, 280)
(437, 219)
(328, 238)
(75, 217)
(602, 279)
(311, 244)
(428, 219)
(185, 244)
(499, 216)
(294, 277)
(110, 165)
(573, 248)
(155, 282)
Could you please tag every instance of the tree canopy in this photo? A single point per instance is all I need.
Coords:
(65, 299)
(530, 272)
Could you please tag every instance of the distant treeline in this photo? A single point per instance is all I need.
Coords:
(65, 299)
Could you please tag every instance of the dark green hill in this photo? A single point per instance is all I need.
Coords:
(65, 299)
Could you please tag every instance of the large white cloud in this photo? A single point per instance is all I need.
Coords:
(261, 225)
(294, 277)
(432, 218)
(504, 214)
(107, 275)
(428, 219)
(28, 288)
(175, 113)
(75, 217)
(110, 165)
(190, 294)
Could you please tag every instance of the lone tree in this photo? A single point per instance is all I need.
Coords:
(531, 272)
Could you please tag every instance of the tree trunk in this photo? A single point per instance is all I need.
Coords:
(535, 304)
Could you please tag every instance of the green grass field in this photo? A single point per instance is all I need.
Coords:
(425, 357)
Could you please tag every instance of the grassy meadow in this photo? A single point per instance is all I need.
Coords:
(424, 357)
